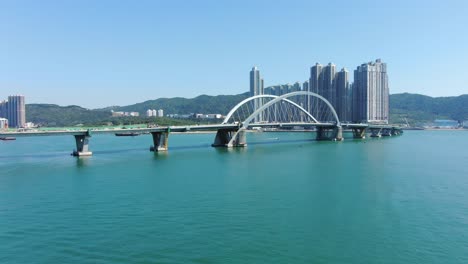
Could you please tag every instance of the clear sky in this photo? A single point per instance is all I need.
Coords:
(102, 53)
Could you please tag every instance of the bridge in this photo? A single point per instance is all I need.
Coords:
(271, 111)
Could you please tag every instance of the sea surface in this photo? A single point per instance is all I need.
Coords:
(283, 199)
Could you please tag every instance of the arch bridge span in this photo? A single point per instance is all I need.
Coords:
(326, 110)
(271, 111)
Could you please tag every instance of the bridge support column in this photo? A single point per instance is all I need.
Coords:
(82, 145)
(160, 141)
(359, 132)
(396, 131)
(375, 132)
(330, 133)
(230, 138)
(386, 132)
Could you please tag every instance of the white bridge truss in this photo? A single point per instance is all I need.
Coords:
(293, 107)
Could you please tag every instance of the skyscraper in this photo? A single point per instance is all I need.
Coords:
(305, 86)
(16, 111)
(3, 108)
(342, 87)
(256, 88)
(315, 83)
(328, 89)
(322, 82)
(370, 93)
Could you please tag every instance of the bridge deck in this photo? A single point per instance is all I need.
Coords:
(182, 129)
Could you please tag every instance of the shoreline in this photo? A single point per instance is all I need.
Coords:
(444, 129)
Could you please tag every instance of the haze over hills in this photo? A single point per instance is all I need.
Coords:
(416, 108)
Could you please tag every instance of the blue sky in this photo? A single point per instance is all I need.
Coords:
(101, 53)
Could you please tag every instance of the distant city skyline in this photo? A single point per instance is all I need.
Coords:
(365, 100)
(98, 54)
(14, 110)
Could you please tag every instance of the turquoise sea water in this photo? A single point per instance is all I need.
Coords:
(283, 199)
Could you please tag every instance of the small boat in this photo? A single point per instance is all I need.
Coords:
(7, 138)
(128, 134)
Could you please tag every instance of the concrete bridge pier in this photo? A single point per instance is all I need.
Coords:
(160, 141)
(230, 138)
(359, 132)
(330, 133)
(376, 132)
(82, 145)
(396, 131)
(386, 132)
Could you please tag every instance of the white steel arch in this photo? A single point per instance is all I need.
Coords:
(276, 99)
(283, 97)
(246, 123)
(235, 108)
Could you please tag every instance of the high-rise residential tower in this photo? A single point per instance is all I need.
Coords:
(315, 83)
(256, 88)
(16, 111)
(342, 87)
(305, 86)
(322, 82)
(370, 93)
(328, 89)
(3, 108)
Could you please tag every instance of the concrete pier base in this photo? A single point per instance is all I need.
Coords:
(386, 132)
(359, 133)
(329, 133)
(376, 132)
(230, 138)
(82, 145)
(160, 141)
(396, 131)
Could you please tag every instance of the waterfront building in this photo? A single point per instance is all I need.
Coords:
(117, 114)
(256, 88)
(154, 112)
(269, 90)
(328, 87)
(305, 86)
(315, 82)
(3, 108)
(370, 93)
(213, 116)
(121, 113)
(342, 87)
(277, 90)
(3, 123)
(322, 82)
(16, 111)
(296, 87)
(30, 125)
(349, 102)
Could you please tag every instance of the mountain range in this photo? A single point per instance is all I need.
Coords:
(415, 108)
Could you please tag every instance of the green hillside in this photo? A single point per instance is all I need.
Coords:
(206, 104)
(54, 115)
(419, 109)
